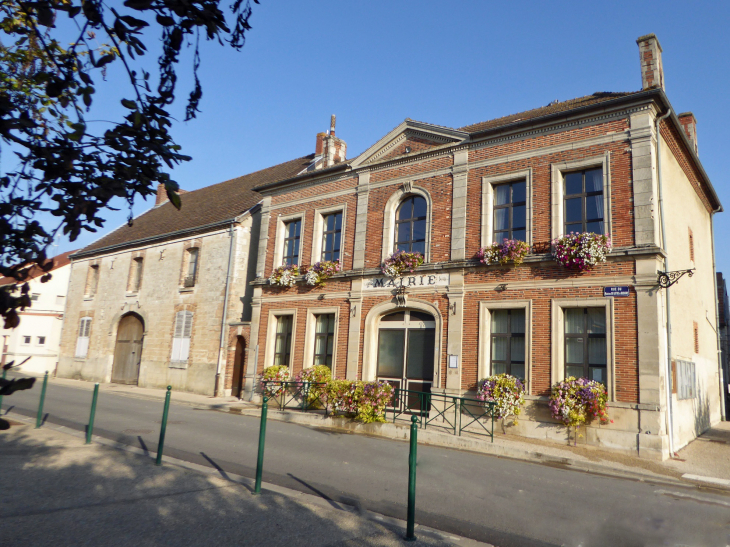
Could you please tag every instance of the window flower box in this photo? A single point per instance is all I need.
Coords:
(284, 276)
(318, 274)
(506, 392)
(509, 251)
(581, 251)
(401, 262)
(577, 401)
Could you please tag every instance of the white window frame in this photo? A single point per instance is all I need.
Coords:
(488, 184)
(557, 185)
(391, 208)
(558, 307)
(271, 335)
(484, 368)
(311, 330)
(181, 344)
(281, 222)
(318, 229)
(82, 341)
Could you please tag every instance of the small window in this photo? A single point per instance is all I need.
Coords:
(135, 275)
(60, 300)
(508, 342)
(191, 266)
(26, 340)
(282, 344)
(585, 343)
(82, 342)
(324, 339)
(92, 280)
(510, 212)
(41, 340)
(331, 236)
(181, 336)
(410, 225)
(584, 201)
(292, 234)
(686, 380)
(34, 297)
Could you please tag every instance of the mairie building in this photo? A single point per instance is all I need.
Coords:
(621, 164)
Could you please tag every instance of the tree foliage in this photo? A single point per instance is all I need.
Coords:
(60, 162)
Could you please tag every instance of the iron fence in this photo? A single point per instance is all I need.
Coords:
(305, 395)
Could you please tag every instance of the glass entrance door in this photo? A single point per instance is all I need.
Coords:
(406, 352)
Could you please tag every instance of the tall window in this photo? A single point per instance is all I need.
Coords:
(135, 275)
(324, 339)
(585, 343)
(331, 236)
(92, 280)
(508, 342)
(181, 336)
(410, 225)
(82, 342)
(292, 234)
(584, 201)
(282, 345)
(510, 212)
(191, 273)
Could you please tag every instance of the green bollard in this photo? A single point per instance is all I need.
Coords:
(410, 536)
(5, 373)
(262, 443)
(90, 429)
(40, 403)
(163, 427)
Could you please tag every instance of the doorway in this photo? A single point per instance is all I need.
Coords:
(406, 341)
(237, 379)
(128, 350)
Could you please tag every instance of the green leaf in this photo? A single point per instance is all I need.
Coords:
(104, 60)
(174, 198)
(126, 103)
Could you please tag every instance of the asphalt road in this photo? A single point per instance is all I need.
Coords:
(499, 501)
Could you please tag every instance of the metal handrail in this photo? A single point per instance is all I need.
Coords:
(426, 411)
(301, 392)
(489, 408)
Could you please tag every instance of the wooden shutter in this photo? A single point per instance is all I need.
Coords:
(82, 343)
(181, 337)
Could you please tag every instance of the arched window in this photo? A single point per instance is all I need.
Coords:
(410, 225)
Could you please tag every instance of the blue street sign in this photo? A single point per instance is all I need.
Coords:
(615, 291)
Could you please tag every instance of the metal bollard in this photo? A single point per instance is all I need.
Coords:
(412, 458)
(40, 403)
(90, 429)
(163, 427)
(262, 443)
(5, 373)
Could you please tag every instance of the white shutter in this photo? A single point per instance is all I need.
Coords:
(82, 343)
(181, 337)
(176, 349)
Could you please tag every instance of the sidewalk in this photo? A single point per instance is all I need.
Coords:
(704, 461)
(57, 490)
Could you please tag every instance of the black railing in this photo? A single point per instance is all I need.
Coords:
(305, 395)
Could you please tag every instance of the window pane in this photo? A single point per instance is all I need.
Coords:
(336, 247)
(501, 219)
(403, 247)
(518, 371)
(518, 216)
(499, 368)
(419, 207)
(419, 247)
(499, 321)
(520, 235)
(574, 350)
(517, 348)
(501, 194)
(499, 348)
(338, 221)
(419, 364)
(594, 207)
(499, 237)
(297, 227)
(594, 180)
(595, 227)
(573, 183)
(574, 320)
(398, 316)
(574, 371)
(598, 374)
(283, 324)
(328, 241)
(420, 316)
(518, 192)
(518, 321)
(405, 210)
(596, 351)
(574, 210)
(391, 344)
(323, 324)
(404, 231)
(330, 223)
(419, 230)
(596, 320)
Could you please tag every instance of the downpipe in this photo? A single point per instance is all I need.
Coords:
(723, 410)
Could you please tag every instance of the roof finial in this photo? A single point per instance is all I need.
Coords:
(332, 125)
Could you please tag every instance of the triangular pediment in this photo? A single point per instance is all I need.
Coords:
(409, 138)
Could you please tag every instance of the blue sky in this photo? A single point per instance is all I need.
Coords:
(376, 63)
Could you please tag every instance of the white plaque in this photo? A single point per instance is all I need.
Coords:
(415, 281)
(453, 361)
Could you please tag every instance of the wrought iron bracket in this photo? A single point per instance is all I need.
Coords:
(667, 279)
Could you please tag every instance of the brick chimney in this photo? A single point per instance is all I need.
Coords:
(332, 149)
(162, 194)
(689, 124)
(650, 53)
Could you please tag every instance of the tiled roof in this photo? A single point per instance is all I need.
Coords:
(59, 261)
(552, 108)
(209, 205)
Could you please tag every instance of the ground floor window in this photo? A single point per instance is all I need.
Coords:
(324, 339)
(585, 343)
(508, 342)
(282, 343)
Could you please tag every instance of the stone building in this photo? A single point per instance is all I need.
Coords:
(624, 164)
(150, 303)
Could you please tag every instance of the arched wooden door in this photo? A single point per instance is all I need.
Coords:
(128, 351)
(237, 379)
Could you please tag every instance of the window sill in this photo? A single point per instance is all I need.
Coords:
(88, 298)
(186, 289)
(131, 294)
(179, 364)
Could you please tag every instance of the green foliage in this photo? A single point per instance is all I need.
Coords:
(66, 166)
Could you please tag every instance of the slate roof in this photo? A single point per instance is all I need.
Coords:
(210, 205)
(553, 108)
